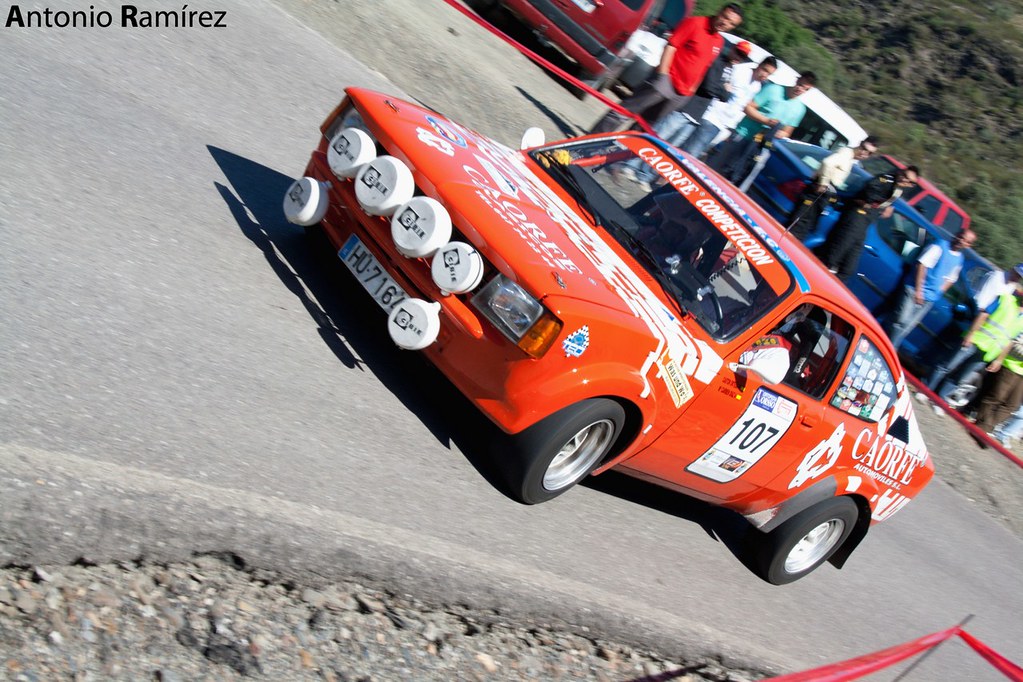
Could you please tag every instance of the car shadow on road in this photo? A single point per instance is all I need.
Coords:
(352, 327)
(564, 127)
(723, 525)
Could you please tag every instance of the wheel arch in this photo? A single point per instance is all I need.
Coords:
(837, 485)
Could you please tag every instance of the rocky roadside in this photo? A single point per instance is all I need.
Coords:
(212, 620)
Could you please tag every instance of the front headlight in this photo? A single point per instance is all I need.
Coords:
(518, 315)
(508, 306)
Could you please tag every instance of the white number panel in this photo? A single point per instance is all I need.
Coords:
(757, 430)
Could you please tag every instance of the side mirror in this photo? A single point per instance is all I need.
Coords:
(533, 137)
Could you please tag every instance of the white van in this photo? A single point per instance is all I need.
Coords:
(825, 124)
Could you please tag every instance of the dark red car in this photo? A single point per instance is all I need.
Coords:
(591, 32)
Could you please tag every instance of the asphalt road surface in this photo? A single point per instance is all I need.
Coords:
(180, 373)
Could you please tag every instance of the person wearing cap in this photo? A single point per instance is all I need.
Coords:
(677, 126)
(773, 114)
(822, 190)
(937, 269)
(693, 45)
(990, 333)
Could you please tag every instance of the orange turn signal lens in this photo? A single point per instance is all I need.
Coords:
(541, 335)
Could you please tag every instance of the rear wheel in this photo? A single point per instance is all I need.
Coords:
(551, 456)
(804, 542)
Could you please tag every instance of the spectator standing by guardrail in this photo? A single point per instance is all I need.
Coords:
(693, 45)
(832, 174)
(747, 80)
(676, 127)
(775, 107)
(1004, 393)
(937, 269)
(997, 282)
(991, 332)
(1010, 430)
(841, 250)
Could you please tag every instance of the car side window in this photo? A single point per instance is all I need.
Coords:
(868, 388)
(953, 222)
(903, 235)
(818, 341)
(928, 207)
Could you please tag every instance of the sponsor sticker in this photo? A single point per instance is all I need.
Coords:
(753, 435)
(577, 342)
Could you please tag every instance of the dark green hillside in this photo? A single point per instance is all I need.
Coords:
(940, 82)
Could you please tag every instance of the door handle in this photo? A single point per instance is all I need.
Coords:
(808, 421)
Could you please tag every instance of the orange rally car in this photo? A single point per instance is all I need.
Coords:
(673, 332)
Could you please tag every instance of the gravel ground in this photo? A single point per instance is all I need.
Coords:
(212, 619)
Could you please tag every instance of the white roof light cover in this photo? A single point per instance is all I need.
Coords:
(349, 150)
(414, 323)
(383, 184)
(420, 227)
(457, 268)
(306, 202)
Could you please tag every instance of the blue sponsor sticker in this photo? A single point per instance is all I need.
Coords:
(577, 342)
(444, 131)
(765, 399)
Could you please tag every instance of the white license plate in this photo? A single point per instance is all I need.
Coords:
(371, 275)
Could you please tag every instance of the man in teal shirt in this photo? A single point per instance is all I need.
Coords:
(775, 111)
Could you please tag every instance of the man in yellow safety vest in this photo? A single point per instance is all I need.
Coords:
(991, 333)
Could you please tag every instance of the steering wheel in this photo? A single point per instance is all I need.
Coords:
(707, 292)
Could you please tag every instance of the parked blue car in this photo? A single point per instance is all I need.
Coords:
(890, 251)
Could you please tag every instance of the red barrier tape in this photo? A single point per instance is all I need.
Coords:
(977, 432)
(561, 73)
(864, 665)
(1004, 665)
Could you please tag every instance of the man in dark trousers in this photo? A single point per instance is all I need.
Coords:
(841, 250)
(693, 45)
(823, 188)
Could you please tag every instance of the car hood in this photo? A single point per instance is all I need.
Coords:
(499, 200)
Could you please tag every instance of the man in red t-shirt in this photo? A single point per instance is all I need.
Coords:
(694, 44)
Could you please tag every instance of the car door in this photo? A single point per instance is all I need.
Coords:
(742, 431)
(892, 244)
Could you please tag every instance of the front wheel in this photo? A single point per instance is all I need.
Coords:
(804, 542)
(554, 454)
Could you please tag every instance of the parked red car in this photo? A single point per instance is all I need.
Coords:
(926, 198)
(591, 32)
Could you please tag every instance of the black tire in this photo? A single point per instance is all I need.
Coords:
(554, 454)
(490, 10)
(777, 559)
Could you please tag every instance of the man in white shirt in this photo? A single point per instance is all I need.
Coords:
(724, 115)
(829, 178)
(937, 269)
(997, 283)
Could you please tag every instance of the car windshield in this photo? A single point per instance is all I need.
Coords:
(695, 242)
